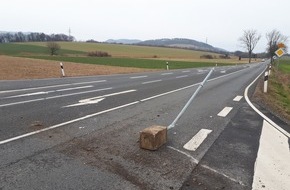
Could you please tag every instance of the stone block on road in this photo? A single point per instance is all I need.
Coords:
(153, 137)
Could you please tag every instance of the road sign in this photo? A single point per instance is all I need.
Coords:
(281, 45)
(279, 52)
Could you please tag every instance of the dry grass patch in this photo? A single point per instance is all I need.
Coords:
(14, 68)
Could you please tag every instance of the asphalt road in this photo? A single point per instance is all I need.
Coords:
(83, 133)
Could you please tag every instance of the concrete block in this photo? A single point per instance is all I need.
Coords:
(153, 137)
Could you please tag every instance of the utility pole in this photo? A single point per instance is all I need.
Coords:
(69, 34)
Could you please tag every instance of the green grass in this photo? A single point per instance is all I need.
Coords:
(279, 87)
(23, 49)
(128, 62)
(122, 55)
(284, 65)
(130, 51)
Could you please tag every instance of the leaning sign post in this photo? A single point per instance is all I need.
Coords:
(279, 52)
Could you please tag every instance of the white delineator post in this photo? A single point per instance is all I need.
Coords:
(266, 82)
(62, 70)
(270, 67)
(167, 67)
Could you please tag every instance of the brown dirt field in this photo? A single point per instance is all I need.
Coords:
(15, 68)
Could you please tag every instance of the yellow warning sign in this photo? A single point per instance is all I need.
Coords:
(279, 52)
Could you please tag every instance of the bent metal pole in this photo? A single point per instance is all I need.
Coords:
(191, 99)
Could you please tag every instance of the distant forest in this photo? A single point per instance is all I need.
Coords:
(6, 37)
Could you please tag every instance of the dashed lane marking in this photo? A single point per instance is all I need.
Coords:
(237, 98)
(166, 73)
(196, 141)
(153, 81)
(225, 112)
(138, 77)
(182, 76)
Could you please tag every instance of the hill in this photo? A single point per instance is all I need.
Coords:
(123, 41)
(182, 43)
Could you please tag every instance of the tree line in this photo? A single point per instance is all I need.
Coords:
(33, 37)
(251, 37)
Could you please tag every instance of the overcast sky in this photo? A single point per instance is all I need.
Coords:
(221, 22)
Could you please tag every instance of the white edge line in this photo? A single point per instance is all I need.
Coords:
(66, 123)
(52, 86)
(259, 112)
(170, 92)
(215, 171)
(195, 161)
(76, 88)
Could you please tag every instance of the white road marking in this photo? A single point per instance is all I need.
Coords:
(195, 161)
(97, 99)
(166, 93)
(76, 88)
(196, 141)
(47, 92)
(166, 73)
(53, 86)
(237, 98)
(258, 111)
(225, 112)
(66, 123)
(272, 167)
(138, 77)
(182, 76)
(149, 82)
(223, 71)
(186, 87)
(201, 70)
(52, 97)
(215, 171)
(99, 113)
(29, 94)
(186, 71)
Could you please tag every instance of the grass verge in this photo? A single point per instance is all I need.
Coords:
(277, 99)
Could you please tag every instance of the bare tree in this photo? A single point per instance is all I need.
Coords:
(53, 47)
(274, 38)
(249, 41)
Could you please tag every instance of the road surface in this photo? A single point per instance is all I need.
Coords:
(83, 133)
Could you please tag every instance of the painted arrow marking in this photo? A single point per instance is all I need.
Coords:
(97, 99)
(85, 102)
